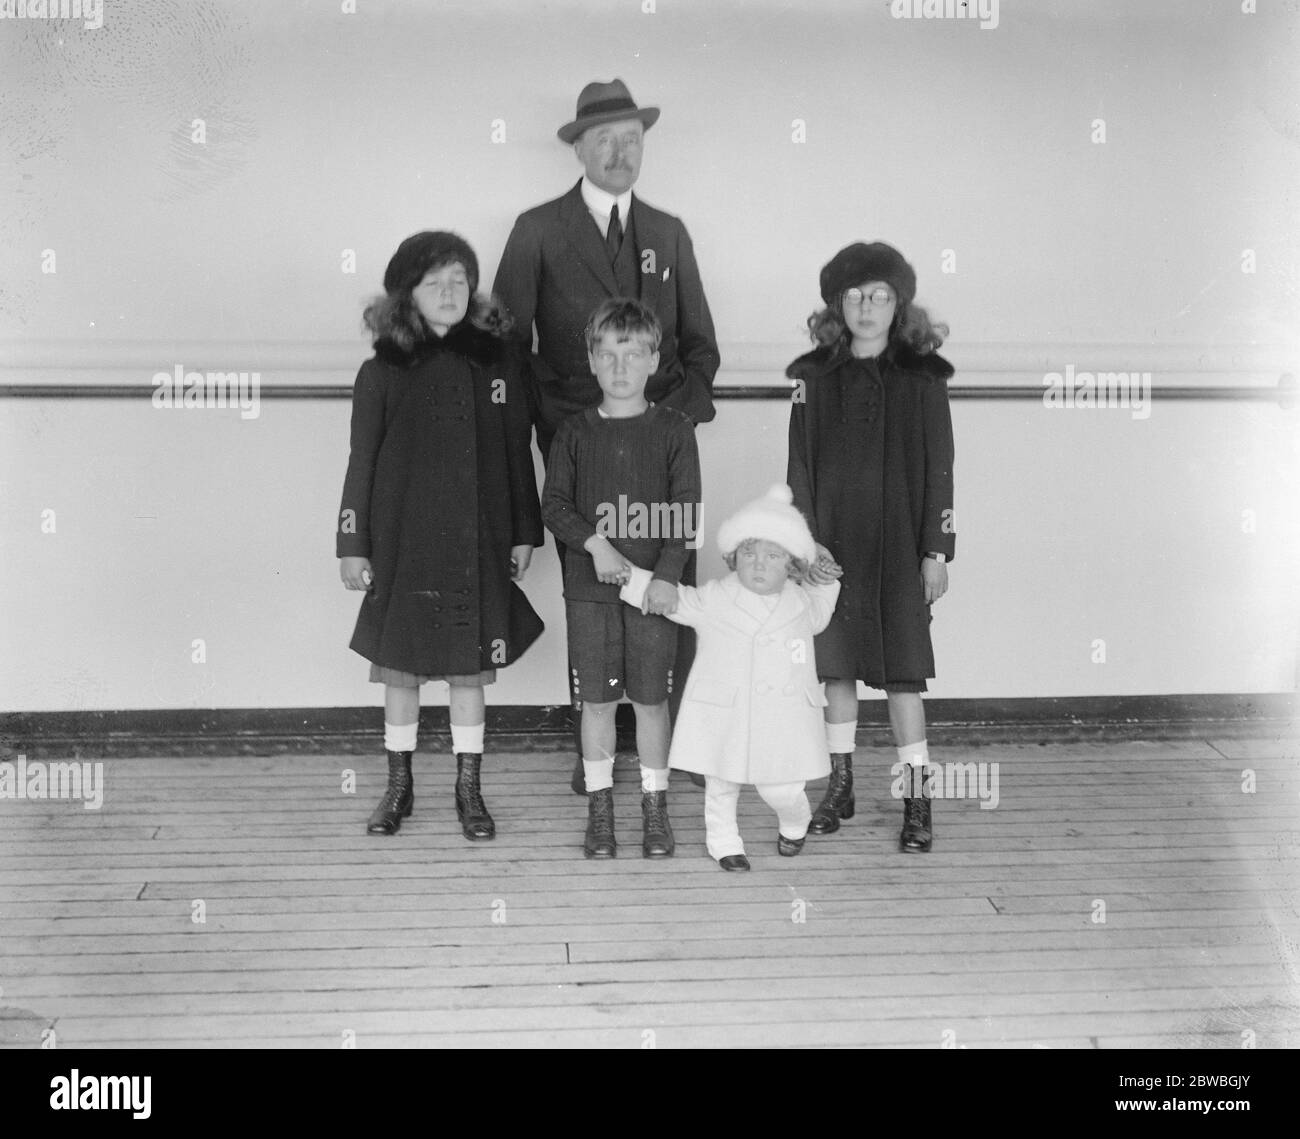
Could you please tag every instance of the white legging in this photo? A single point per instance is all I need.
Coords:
(722, 835)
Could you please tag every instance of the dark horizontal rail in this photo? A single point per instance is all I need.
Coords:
(1283, 394)
(186, 732)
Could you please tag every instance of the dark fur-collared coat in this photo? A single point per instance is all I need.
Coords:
(439, 487)
(870, 465)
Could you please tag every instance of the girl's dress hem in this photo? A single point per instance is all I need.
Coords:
(399, 679)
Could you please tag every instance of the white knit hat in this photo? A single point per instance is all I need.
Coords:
(773, 518)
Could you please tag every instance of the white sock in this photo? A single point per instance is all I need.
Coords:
(400, 737)
(916, 756)
(599, 774)
(653, 779)
(841, 738)
(467, 737)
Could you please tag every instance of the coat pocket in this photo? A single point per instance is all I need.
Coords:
(717, 692)
(817, 696)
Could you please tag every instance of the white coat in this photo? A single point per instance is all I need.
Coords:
(752, 711)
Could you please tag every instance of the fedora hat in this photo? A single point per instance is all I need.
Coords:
(606, 103)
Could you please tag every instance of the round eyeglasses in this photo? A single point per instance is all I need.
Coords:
(879, 297)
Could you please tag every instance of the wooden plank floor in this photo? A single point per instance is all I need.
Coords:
(314, 930)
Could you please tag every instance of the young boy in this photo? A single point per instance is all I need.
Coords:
(623, 490)
(753, 706)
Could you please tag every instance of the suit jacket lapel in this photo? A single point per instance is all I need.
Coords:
(585, 238)
(650, 238)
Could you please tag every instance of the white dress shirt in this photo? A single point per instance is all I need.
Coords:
(600, 203)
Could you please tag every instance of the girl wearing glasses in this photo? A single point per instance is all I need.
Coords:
(870, 465)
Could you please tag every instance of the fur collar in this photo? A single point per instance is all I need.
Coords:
(464, 339)
(827, 358)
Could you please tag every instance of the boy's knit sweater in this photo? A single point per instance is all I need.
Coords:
(636, 480)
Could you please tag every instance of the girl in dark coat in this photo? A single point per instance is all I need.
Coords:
(440, 512)
(870, 464)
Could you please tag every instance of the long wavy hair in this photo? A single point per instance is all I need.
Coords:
(911, 328)
(394, 317)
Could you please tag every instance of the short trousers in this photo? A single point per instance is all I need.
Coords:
(399, 679)
(888, 686)
(617, 648)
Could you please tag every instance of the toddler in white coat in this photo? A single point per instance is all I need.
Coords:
(752, 711)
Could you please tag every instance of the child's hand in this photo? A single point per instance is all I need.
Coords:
(934, 577)
(356, 573)
(520, 558)
(611, 567)
(825, 569)
(660, 598)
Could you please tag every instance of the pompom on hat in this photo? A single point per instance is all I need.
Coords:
(424, 251)
(858, 263)
(773, 518)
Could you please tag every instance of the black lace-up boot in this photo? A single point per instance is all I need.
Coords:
(398, 799)
(475, 822)
(656, 831)
(917, 833)
(599, 842)
(838, 802)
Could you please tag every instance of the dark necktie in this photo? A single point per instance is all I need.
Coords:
(613, 235)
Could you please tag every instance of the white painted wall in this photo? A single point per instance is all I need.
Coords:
(327, 132)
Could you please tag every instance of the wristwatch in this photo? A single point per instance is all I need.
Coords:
(940, 558)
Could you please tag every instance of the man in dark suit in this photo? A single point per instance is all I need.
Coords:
(599, 240)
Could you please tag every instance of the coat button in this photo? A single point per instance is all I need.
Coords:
(762, 689)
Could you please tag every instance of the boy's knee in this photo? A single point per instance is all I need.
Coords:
(650, 710)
